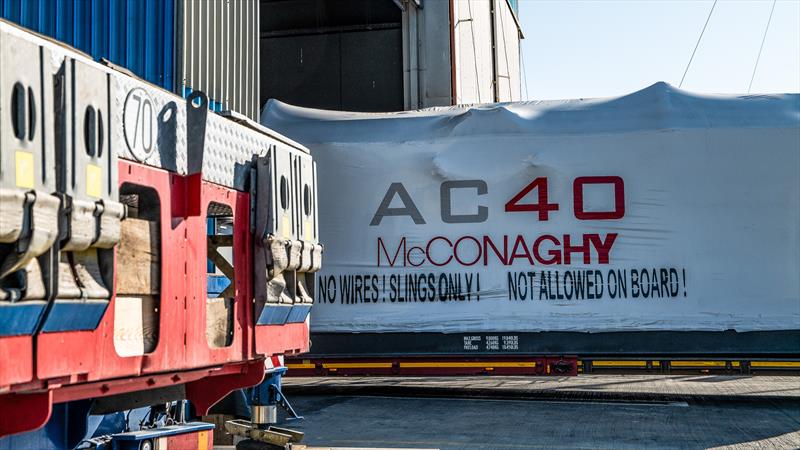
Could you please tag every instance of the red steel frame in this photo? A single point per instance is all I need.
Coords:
(291, 338)
(16, 354)
(84, 364)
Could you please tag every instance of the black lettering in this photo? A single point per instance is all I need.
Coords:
(569, 293)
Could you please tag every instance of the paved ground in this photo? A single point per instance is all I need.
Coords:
(605, 387)
(584, 412)
(348, 421)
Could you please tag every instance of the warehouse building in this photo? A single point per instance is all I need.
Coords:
(364, 55)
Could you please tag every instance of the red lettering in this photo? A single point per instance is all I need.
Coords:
(619, 198)
(421, 262)
(520, 243)
(541, 206)
(455, 251)
(569, 250)
(487, 242)
(555, 254)
(603, 247)
(428, 250)
(402, 246)
(545, 250)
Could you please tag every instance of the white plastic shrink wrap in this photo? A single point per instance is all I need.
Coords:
(659, 210)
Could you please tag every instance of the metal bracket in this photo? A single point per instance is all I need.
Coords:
(196, 115)
(284, 402)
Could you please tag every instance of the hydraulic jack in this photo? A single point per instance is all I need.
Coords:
(259, 433)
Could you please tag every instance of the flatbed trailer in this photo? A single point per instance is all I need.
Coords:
(107, 187)
(536, 365)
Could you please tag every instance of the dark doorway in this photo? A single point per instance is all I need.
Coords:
(332, 54)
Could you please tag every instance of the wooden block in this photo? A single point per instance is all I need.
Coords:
(139, 258)
(219, 322)
(136, 320)
(221, 437)
(221, 240)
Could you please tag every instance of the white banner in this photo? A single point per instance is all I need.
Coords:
(655, 211)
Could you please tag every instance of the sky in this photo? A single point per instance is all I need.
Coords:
(600, 48)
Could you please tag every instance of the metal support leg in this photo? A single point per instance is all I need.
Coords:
(265, 400)
(284, 402)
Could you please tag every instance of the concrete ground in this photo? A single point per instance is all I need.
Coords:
(346, 421)
(588, 411)
(584, 412)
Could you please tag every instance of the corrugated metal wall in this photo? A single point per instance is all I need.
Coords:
(474, 55)
(221, 53)
(136, 34)
(507, 59)
(485, 74)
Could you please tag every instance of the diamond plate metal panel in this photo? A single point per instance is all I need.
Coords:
(166, 115)
(230, 147)
(230, 142)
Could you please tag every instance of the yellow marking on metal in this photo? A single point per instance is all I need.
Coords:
(619, 363)
(202, 440)
(94, 181)
(775, 364)
(301, 366)
(735, 364)
(483, 365)
(307, 229)
(656, 364)
(286, 226)
(358, 366)
(698, 363)
(24, 165)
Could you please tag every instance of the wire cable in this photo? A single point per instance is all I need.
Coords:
(474, 50)
(698, 43)
(524, 74)
(505, 55)
(764, 38)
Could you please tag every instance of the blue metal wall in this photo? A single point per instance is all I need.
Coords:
(136, 34)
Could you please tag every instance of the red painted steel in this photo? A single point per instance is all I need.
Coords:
(23, 412)
(204, 388)
(191, 441)
(182, 342)
(90, 355)
(292, 338)
(16, 354)
(71, 392)
(84, 364)
(196, 279)
(205, 392)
